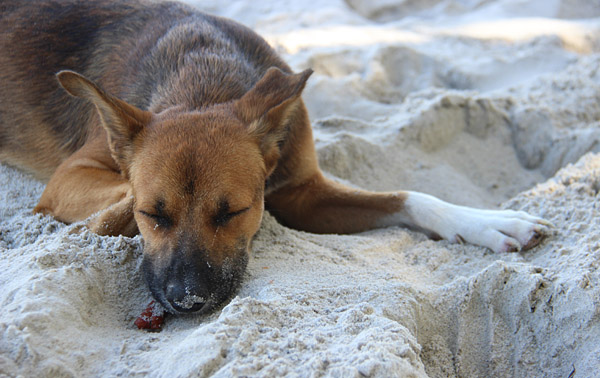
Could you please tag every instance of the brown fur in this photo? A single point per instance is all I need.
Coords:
(180, 126)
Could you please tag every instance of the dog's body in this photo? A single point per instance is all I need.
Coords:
(193, 125)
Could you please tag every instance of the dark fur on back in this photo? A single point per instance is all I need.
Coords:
(152, 55)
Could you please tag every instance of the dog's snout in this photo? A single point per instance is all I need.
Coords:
(187, 283)
(186, 296)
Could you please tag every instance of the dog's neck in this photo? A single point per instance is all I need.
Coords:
(207, 69)
(193, 87)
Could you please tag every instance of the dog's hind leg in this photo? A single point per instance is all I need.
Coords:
(322, 206)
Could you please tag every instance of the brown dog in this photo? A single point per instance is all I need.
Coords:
(194, 125)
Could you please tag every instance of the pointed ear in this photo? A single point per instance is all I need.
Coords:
(121, 120)
(267, 107)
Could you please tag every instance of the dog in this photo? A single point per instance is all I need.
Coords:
(185, 127)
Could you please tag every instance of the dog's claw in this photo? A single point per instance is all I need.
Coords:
(511, 245)
(536, 238)
(546, 223)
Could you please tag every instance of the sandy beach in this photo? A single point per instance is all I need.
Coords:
(486, 103)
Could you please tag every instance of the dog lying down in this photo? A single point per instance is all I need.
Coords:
(184, 127)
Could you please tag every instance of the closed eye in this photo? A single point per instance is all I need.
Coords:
(224, 216)
(161, 220)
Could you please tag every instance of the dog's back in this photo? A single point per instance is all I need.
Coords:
(152, 55)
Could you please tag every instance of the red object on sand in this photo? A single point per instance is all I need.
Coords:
(152, 318)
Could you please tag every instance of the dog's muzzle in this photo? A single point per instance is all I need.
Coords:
(190, 284)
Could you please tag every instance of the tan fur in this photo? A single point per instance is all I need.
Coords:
(180, 126)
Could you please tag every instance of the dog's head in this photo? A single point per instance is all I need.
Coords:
(198, 181)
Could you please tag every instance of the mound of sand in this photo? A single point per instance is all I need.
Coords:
(488, 104)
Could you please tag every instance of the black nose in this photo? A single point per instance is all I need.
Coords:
(185, 297)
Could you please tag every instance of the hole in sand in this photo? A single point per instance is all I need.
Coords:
(469, 150)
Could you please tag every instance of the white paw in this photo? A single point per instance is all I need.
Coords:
(498, 230)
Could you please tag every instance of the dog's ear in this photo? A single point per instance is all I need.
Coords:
(121, 120)
(267, 107)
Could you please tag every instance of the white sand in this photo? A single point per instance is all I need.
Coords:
(473, 101)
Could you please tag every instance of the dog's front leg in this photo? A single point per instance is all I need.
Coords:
(116, 219)
(322, 206)
(83, 186)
